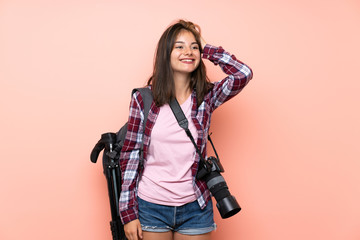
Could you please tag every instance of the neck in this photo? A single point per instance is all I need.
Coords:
(182, 87)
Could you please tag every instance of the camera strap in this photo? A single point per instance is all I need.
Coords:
(184, 124)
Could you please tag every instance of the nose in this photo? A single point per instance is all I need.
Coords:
(188, 51)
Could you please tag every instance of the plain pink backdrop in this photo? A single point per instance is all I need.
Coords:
(289, 141)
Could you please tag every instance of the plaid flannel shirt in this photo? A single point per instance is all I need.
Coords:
(238, 76)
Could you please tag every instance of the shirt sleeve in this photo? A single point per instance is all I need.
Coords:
(239, 74)
(129, 161)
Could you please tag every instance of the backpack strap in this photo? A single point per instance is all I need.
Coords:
(147, 97)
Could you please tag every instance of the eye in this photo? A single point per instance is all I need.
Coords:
(179, 47)
(196, 47)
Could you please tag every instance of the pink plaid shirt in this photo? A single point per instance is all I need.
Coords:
(238, 76)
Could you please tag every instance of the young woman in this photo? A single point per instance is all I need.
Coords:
(163, 200)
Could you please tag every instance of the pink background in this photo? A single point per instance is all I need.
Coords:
(289, 141)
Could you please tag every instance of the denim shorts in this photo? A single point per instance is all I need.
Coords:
(188, 219)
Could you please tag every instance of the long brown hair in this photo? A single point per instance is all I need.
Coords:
(162, 80)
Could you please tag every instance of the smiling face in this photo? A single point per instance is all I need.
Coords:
(185, 56)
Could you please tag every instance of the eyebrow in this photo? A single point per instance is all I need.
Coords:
(184, 42)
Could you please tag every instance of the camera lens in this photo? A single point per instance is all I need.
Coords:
(226, 203)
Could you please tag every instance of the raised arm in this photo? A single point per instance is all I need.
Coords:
(239, 74)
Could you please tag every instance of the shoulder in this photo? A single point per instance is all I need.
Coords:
(141, 94)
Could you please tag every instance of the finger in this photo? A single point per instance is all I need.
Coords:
(140, 231)
(135, 237)
(197, 28)
(131, 235)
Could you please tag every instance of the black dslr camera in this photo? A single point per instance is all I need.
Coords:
(209, 171)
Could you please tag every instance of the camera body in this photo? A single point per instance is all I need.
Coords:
(209, 171)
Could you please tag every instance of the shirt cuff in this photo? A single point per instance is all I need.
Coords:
(207, 51)
(210, 51)
(128, 215)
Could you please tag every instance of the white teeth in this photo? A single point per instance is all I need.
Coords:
(187, 60)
